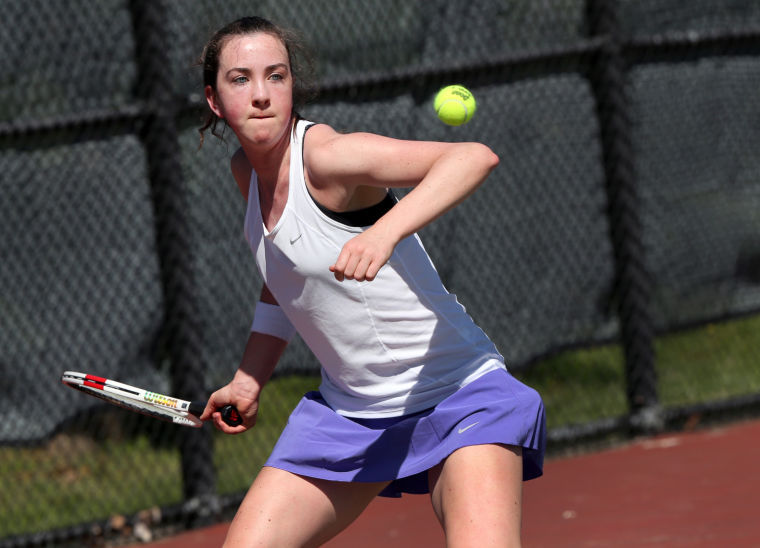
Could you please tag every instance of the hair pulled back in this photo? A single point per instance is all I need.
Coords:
(301, 62)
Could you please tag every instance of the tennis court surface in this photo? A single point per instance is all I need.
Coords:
(698, 488)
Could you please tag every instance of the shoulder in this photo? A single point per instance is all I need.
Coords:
(321, 150)
(332, 157)
(241, 171)
(322, 140)
(317, 136)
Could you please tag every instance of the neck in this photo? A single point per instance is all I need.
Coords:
(271, 161)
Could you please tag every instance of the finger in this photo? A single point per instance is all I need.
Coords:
(226, 428)
(337, 272)
(360, 274)
(340, 265)
(372, 270)
(209, 409)
(352, 267)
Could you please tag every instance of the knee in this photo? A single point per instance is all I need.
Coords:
(256, 536)
(252, 534)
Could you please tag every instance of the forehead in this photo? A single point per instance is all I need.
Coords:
(250, 49)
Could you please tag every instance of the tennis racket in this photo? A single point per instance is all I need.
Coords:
(149, 403)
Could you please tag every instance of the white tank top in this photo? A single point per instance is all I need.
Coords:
(393, 346)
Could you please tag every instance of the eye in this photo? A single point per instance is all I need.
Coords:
(277, 76)
(239, 80)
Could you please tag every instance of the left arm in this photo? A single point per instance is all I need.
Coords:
(441, 174)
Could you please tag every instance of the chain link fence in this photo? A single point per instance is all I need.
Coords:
(614, 256)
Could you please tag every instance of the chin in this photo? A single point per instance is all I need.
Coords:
(262, 138)
(267, 130)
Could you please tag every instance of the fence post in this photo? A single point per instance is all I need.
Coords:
(182, 329)
(633, 286)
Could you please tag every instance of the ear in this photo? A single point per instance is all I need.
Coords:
(213, 101)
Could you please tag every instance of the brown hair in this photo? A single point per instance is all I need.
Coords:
(301, 62)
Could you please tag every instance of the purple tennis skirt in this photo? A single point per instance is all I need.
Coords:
(495, 408)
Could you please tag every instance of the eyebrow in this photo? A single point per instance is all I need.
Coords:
(270, 68)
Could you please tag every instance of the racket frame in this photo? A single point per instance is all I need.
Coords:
(130, 397)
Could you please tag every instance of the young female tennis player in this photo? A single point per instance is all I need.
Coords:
(414, 397)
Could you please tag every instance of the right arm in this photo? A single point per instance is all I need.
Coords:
(262, 352)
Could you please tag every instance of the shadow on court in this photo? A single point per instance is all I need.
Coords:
(696, 489)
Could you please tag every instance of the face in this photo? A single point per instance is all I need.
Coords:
(254, 89)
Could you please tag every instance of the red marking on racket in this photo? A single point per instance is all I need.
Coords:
(94, 382)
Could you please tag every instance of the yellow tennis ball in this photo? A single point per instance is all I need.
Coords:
(454, 105)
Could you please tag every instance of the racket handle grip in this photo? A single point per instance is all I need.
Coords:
(231, 416)
(229, 413)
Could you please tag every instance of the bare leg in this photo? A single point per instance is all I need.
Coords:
(285, 510)
(477, 495)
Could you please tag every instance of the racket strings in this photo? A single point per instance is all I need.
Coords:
(135, 405)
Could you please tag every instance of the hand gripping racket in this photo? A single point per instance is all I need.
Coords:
(143, 401)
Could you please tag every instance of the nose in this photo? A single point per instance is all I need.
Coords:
(260, 95)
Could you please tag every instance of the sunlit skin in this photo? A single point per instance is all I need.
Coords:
(344, 172)
(254, 95)
(254, 92)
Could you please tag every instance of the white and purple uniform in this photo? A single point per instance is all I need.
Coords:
(389, 349)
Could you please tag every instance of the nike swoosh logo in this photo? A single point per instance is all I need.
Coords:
(466, 428)
(294, 240)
